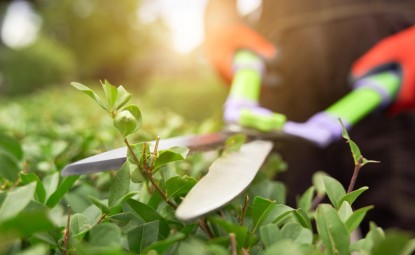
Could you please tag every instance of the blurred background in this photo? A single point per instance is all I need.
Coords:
(154, 47)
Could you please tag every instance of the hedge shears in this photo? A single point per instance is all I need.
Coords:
(230, 175)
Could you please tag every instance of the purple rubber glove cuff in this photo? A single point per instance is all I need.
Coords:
(321, 129)
(234, 106)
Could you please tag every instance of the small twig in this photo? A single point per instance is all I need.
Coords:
(204, 226)
(147, 172)
(67, 234)
(356, 171)
(245, 251)
(243, 211)
(316, 201)
(101, 219)
(6, 182)
(233, 243)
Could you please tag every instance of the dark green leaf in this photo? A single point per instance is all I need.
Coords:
(105, 235)
(16, 200)
(143, 236)
(179, 186)
(162, 246)
(356, 218)
(148, 214)
(394, 243)
(63, 188)
(352, 196)
(261, 208)
(272, 190)
(9, 167)
(241, 232)
(27, 223)
(120, 185)
(335, 190)
(173, 154)
(303, 218)
(332, 230)
(11, 146)
(102, 205)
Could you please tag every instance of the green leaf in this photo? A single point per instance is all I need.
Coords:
(105, 235)
(357, 155)
(143, 236)
(120, 185)
(356, 218)
(125, 122)
(135, 111)
(318, 182)
(11, 146)
(234, 143)
(394, 243)
(261, 208)
(162, 246)
(16, 200)
(27, 223)
(40, 189)
(273, 190)
(306, 200)
(79, 225)
(122, 98)
(345, 211)
(283, 247)
(179, 186)
(334, 189)
(270, 234)
(51, 182)
(296, 233)
(303, 218)
(332, 230)
(241, 232)
(135, 173)
(111, 93)
(63, 188)
(148, 214)
(102, 205)
(352, 196)
(90, 93)
(9, 167)
(38, 249)
(173, 154)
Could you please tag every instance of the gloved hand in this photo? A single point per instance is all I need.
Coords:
(222, 42)
(398, 49)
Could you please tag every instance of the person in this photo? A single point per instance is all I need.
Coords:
(314, 50)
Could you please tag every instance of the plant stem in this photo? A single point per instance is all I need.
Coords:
(67, 232)
(356, 171)
(101, 219)
(204, 226)
(233, 243)
(147, 172)
(243, 211)
(316, 201)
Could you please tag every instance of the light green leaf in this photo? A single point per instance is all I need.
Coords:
(270, 234)
(37, 249)
(26, 223)
(303, 218)
(283, 247)
(318, 182)
(352, 196)
(111, 93)
(179, 186)
(261, 208)
(16, 200)
(102, 205)
(234, 142)
(63, 188)
(122, 98)
(356, 218)
(79, 225)
(125, 122)
(173, 154)
(353, 146)
(119, 186)
(345, 211)
(306, 199)
(296, 233)
(332, 230)
(51, 183)
(135, 111)
(40, 189)
(90, 93)
(162, 246)
(334, 189)
(273, 190)
(394, 243)
(105, 235)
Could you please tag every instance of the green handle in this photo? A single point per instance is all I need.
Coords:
(246, 83)
(363, 100)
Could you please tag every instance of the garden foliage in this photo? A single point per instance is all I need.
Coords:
(131, 210)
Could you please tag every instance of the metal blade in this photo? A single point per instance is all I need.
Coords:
(228, 177)
(114, 159)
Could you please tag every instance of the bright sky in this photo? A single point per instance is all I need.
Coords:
(184, 17)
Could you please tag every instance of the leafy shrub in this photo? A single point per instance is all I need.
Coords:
(131, 211)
